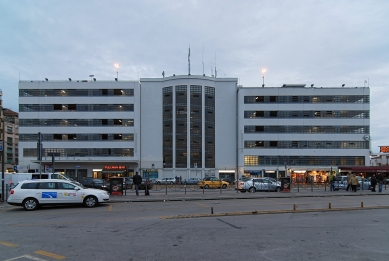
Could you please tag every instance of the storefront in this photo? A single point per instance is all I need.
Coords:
(364, 171)
(307, 176)
(112, 171)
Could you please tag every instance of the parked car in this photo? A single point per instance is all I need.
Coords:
(212, 182)
(341, 183)
(34, 193)
(95, 183)
(258, 184)
(166, 181)
(192, 181)
(130, 184)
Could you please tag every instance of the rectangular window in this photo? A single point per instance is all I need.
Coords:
(58, 107)
(72, 107)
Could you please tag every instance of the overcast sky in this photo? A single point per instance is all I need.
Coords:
(327, 43)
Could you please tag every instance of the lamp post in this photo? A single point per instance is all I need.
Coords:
(117, 70)
(2, 162)
(263, 77)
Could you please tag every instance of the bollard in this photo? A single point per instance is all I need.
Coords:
(166, 189)
(298, 187)
(294, 206)
(361, 204)
(185, 187)
(329, 205)
(212, 210)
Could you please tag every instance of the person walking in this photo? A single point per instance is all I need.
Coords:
(332, 181)
(354, 182)
(137, 180)
(380, 180)
(348, 181)
(373, 183)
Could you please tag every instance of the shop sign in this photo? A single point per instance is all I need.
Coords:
(115, 168)
(384, 149)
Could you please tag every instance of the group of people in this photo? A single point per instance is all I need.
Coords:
(377, 179)
(353, 182)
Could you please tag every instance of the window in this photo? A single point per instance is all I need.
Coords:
(46, 185)
(29, 185)
(72, 107)
(273, 143)
(273, 113)
(58, 107)
(72, 136)
(259, 99)
(62, 185)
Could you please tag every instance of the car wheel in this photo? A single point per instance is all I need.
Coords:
(252, 190)
(171, 182)
(206, 186)
(90, 201)
(30, 204)
(278, 189)
(224, 186)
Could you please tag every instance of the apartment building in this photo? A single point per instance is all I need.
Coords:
(9, 137)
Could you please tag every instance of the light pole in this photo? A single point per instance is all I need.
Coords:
(263, 77)
(2, 162)
(117, 70)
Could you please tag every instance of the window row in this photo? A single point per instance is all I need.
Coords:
(282, 144)
(308, 99)
(306, 129)
(307, 114)
(77, 137)
(84, 152)
(290, 161)
(75, 92)
(76, 122)
(75, 107)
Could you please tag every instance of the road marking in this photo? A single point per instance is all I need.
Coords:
(8, 244)
(203, 205)
(49, 254)
(28, 257)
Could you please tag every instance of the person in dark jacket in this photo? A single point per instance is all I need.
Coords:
(137, 180)
(380, 180)
(373, 183)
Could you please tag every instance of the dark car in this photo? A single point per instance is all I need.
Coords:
(142, 186)
(95, 183)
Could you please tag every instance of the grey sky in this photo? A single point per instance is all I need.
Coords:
(328, 43)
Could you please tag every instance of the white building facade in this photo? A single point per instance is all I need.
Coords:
(302, 132)
(191, 126)
(89, 126)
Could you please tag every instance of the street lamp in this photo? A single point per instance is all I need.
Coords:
(263, 77)
(117, 70)
(2, 162)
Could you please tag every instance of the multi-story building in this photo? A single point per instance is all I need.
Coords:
(90, 127)
(192, 126)
(303, 131)
(9, 137)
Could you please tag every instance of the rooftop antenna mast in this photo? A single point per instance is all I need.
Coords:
(189, 61)
(202, 59)
(215, 66)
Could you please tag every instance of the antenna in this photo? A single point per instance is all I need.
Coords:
(211, 71)
(202, 58)
(189, 61)
(215, 66)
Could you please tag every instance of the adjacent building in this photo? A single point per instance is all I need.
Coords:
(192, 126)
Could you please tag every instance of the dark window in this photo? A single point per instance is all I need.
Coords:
(57, 137)
(58, 107)
(117, 92)
(72, 136)
(29, 185)
(259, 128)
(273, 113)
(273, 143)
(72, 107)
(104, 91)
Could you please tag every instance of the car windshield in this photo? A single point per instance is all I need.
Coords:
(77, 184)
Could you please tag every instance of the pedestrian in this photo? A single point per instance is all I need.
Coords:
(373, 183)
(180, 179)
(137, 180)
(332, 181)
(354, 182)
(380, 180)
(348, 180)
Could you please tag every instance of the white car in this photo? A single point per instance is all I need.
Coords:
(166, 181)
(32, 193)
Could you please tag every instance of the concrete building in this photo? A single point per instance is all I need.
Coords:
(89, 126)
(10, 135)
(302, 131)
(192, 126)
